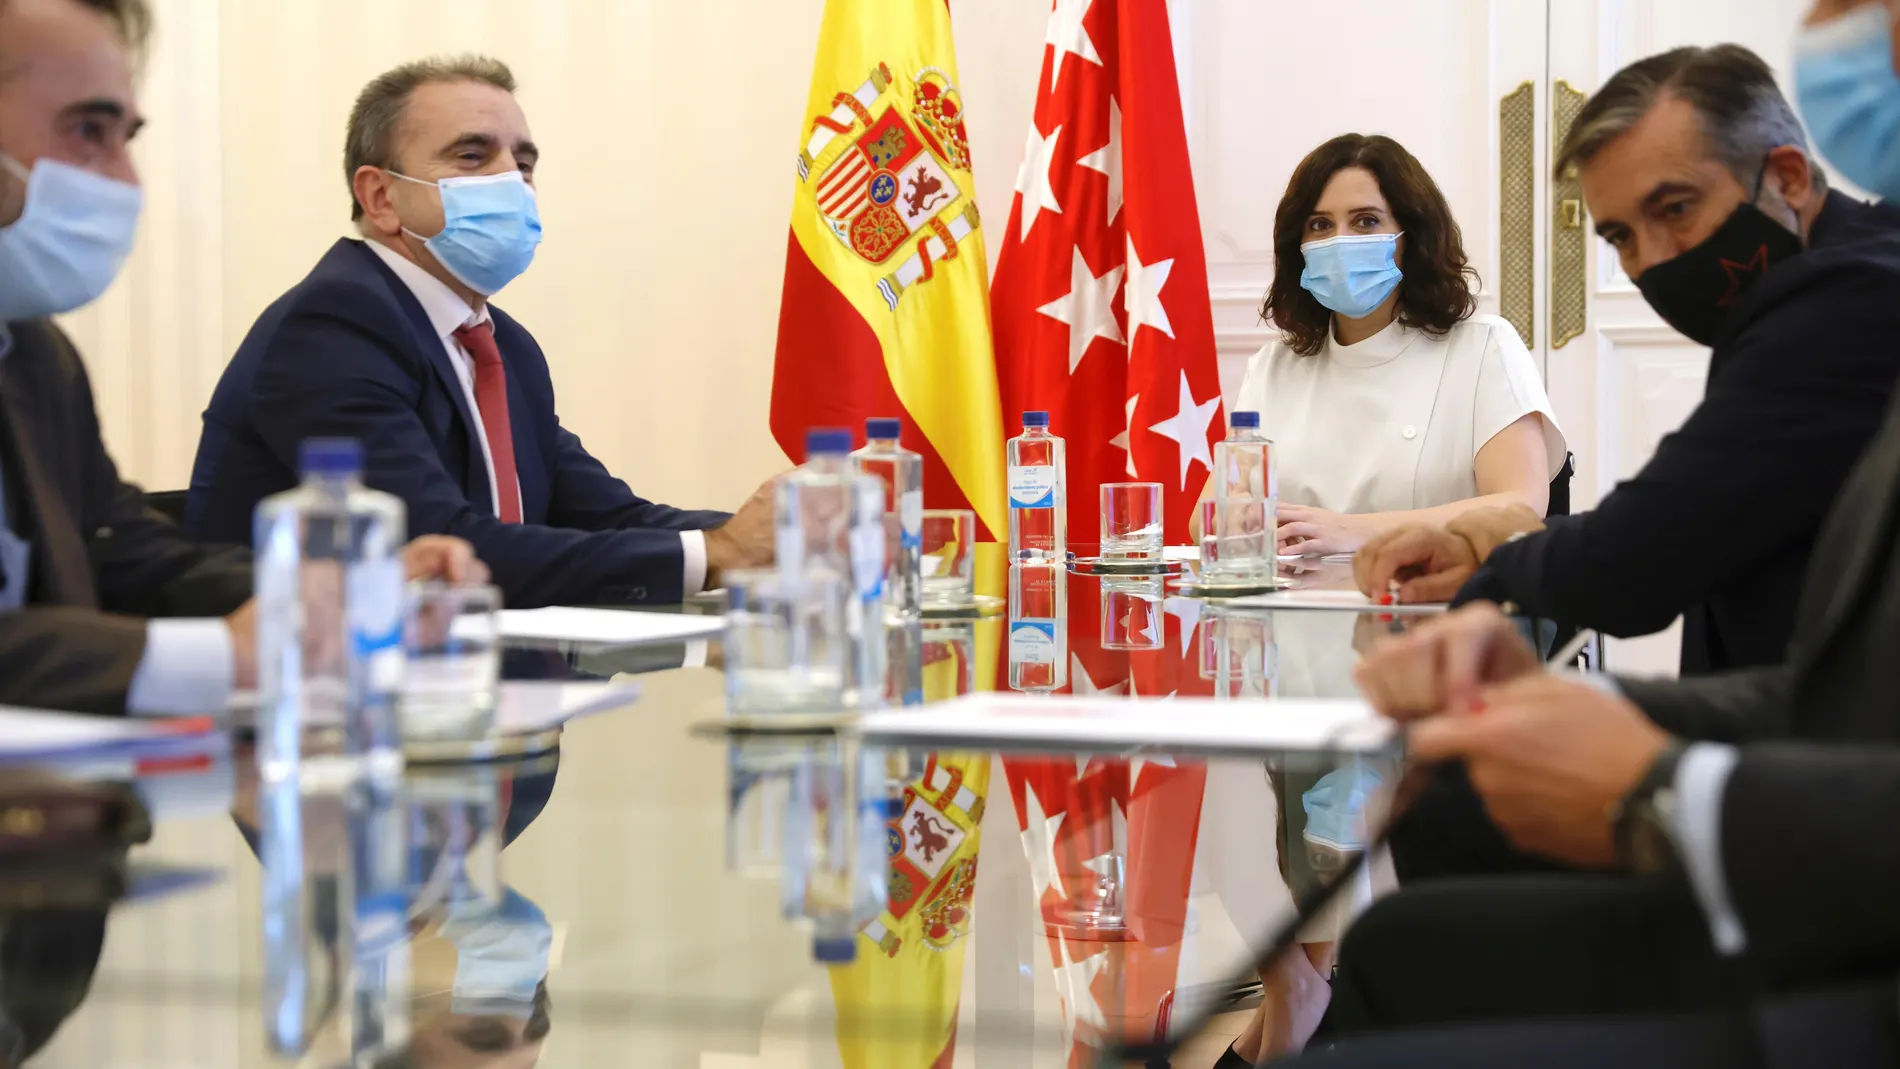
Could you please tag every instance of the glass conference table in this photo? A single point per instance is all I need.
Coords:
(645, 909)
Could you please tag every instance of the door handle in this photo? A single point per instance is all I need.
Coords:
(1569, 254)
(1517, 211)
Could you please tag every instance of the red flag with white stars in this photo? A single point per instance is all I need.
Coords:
(1100, 298)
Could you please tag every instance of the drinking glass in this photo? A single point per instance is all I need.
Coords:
(1131, 521)
(452, 641)
(949, 557)
(785, 642)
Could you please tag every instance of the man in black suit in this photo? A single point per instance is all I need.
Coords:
(104, 606)
(1696, 171)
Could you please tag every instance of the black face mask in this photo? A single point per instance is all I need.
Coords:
(1695, 291)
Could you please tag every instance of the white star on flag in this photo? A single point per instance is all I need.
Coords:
(1069, 37)
(1108, 160)
(1136, 764)
(1143, 300)
(1188, 427)
(1088, 308)
(1073, 983)
(1188, 611)
(1084, 684)
(1043, 872)
(1033, 180)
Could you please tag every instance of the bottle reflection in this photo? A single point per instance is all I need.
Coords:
(395, 889)
(816, 814)
(1038, 626)
(948, 668)
(903, 661)
(1239, 654)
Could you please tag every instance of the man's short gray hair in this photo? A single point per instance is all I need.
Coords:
(379, 108)
(1744, 116)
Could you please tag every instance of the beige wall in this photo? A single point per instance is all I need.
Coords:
(668, 131)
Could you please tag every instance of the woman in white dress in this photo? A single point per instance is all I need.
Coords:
(1388, 400)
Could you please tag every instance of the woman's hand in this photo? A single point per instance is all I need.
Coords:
(1313, 532)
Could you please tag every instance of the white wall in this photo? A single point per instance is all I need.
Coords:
(668, 131)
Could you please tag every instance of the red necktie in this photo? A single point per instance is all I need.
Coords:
(491, 397)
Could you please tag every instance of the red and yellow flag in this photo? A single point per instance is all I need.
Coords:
(886, 309)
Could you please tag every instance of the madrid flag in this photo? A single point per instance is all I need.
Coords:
(885, 309)
(1100, 300)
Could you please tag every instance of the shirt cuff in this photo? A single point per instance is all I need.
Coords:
(693, 552)
(186, 670)
(695, 653)
(1701, 778)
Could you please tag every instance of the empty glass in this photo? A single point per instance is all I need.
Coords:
(452, 638)
(1131, 521)
(949, 562)
(785, 643)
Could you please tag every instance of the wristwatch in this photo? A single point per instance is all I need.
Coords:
(1644, 820)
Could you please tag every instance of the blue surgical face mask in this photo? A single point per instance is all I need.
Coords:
(490, 226)
(70, 241)
(1850, 96)
(1352, 274)
(501, 956)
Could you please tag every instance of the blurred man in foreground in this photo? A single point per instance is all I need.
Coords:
(393, 339)
(104, 606)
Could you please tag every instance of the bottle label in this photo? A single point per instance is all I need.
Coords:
(1032, 486)
(375, 591)
(1032, 642)
(867, 559)
(910, 518)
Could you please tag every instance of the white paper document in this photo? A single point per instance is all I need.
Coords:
(524, 707)
(1199, 725)
(1330, 600)
(616, 627)
(38, 734)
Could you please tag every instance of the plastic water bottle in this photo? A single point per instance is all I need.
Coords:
(1246, 501)
(1038, 494)
(831, 523)
(836, 864)
(329, 622)
(902, 473)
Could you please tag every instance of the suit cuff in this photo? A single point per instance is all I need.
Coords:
(693, 553)
(1701, 779)
(186, 669)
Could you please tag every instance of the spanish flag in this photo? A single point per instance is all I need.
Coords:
(886, 309)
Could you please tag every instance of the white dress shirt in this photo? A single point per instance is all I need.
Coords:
(186, 668)
(1701, 779)
(1395, 422)
(448, 313)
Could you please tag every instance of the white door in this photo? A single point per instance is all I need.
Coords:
(1473, 89)
(1626, 378)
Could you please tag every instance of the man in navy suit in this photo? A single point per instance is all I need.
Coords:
(391, 340)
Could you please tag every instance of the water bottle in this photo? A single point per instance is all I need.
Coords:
(831, 523)
(379, 943)
(1038, 496)
(1246, 502)
(329, 623)
(1038, 626)
(902, 473)
(836, 864)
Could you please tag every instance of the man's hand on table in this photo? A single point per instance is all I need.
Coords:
(440, 558)
(1552, 759)
(1431, 563)
(1441, 666)
(748, 539)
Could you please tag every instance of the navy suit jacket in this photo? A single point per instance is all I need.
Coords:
(1719, 526)
(349, 353)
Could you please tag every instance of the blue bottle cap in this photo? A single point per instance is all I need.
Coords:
(822, 441)
(332, 457)
(835, 951)
(1245, 421)
(883, 428)
(1035, 419)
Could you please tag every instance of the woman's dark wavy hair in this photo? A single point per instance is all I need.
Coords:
(1436, 293)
